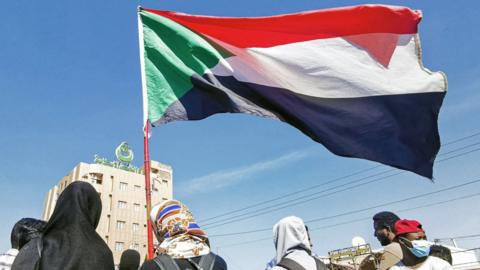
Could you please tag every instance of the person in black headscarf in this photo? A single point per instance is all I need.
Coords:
(130, 260)
(23, 231)
(69, 241)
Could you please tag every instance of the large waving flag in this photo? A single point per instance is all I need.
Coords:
(349, 78)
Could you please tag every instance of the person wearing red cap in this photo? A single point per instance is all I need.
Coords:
(415, 248)
(411, 227)
(439, 251)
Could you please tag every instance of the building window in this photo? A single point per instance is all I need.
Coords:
(164, 175)
(135, 246)
(136, 207)
(120, 225)
(123, 186)
(122, 205)
(110, 202)
(96, 178)
(156, 184)
(119, 246)
(137, 188)
(135, 227)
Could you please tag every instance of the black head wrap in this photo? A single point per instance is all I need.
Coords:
(70, 240)
(385, 220)
(25, 230)
(130, 260)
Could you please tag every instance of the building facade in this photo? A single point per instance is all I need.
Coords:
(122, 191)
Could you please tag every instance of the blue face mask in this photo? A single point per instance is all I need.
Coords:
(420, 248)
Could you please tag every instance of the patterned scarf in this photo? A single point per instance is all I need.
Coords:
(178, 234)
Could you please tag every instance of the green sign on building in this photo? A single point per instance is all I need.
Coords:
(124, 156)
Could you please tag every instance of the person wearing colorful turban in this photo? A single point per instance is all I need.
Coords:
(182, 243)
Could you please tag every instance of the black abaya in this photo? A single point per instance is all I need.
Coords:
(69, 240)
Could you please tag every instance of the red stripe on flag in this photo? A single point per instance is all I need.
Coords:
(297, 27)
(379, 45)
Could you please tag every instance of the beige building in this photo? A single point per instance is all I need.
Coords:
(122, 190)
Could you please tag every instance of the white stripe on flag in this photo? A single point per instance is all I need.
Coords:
(333, 68)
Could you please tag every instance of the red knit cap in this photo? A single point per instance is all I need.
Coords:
(404, 226)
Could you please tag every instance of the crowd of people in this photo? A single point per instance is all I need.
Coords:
(68, 241)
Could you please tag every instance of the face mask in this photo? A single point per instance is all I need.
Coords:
(420, 248)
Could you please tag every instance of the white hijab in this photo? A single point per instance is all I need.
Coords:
(288, 234)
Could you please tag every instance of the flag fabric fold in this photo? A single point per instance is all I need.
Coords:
(349, 78)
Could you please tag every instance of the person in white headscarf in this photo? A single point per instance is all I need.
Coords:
(293, 247)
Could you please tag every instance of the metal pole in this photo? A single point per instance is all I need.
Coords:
(454, 242)
(148, 193)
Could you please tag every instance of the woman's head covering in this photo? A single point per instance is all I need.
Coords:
(289, 234)
(177, 232)
(130, 260)
(25, 230)
(70, 240)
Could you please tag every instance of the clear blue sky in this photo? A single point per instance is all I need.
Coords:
(70, 88)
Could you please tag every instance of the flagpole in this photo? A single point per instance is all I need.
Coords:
(146, 135)
(148, 192)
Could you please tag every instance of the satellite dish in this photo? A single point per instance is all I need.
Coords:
(358, 241)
